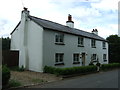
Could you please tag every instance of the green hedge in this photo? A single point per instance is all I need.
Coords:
(5, 75)
(109, 66)
(70, 71)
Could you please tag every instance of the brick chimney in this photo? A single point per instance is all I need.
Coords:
(25, 13)
(70, 23)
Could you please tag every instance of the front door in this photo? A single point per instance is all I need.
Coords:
(83, 59)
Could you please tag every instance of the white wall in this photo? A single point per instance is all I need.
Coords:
(15, 40)
(70, 47)
(35, 47)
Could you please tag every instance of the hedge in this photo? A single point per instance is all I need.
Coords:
(109, 66)
(80, 69)
(70, 71)
(5, 75)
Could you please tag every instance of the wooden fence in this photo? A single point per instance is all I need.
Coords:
(10, 58)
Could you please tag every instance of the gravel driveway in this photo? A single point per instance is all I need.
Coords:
(31, 78)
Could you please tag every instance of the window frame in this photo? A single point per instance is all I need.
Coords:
(93, 43)
(59, 38)
(59, 58)
(76, 58)
(105, 57)
(80, 41)
(104, 45)
(94, 57)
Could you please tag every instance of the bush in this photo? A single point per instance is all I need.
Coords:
(110, 66)
(16, 68)
(14, 83)
(98, 64)
(21, 68)
(70, 71)
(5, 75)
(91, 63)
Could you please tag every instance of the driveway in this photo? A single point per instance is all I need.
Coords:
(107, 79)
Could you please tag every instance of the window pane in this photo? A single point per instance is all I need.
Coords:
(104, 44)
(59, 37)
(56, 57)
(56, 38)
(75, 57)
(59, 57)
(93, 43)
(80, 40)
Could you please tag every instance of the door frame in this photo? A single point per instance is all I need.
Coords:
(83, 55)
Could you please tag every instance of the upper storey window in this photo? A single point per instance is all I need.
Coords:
(104, 45)
(93, 43)
(59, 38)
(80, 41)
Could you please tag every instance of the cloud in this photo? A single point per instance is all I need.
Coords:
(87, 14)
(106, 5)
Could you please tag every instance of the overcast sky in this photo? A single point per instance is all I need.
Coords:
(87, 14)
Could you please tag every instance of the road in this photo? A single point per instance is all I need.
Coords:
(107, 79)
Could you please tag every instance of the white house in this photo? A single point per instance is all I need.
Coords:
(45, 43)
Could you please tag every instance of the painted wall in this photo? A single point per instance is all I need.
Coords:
(28, 38)
(70, 47)
(35, 47)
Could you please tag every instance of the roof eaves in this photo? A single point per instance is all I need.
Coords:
(15, 28)
(74, 34)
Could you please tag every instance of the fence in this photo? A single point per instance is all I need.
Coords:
(10, 58)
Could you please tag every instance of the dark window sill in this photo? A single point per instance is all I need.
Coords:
(93, 47)
(104, 48)
(80, 45)
(57, 43)
(76, 62)
(59, 64)
(105, 60)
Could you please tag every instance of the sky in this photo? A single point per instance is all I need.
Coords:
(86, 14)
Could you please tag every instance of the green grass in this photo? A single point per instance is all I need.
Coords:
(14, 83)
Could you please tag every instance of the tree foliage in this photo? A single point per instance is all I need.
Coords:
(6, 43)
(114, 48)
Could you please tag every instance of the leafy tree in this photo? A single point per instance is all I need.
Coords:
(114, 48)
(6, 43)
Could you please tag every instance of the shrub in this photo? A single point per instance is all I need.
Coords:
(21, 68)
(14, 83)
(98, 64)
(5, 75)
(110, 66)
(91, 63)
(69, 71)
(16, 68)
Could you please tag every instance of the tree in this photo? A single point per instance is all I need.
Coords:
(114, 48)
(6, 43)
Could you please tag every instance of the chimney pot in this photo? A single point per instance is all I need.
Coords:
(95, 31)
(25, 8)
(70, 23)
(69, 17)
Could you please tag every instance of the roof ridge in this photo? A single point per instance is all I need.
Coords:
(46, 20)
(60, 24)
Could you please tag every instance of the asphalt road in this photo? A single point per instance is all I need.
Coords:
(107, 79)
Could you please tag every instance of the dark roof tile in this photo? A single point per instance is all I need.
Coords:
(62, 28)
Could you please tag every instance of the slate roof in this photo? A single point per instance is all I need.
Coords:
(46, 24)
(62, 28)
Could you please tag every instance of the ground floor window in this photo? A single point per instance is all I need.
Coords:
(94, 57)
(104, 57)
(76, 58)
(59, 58)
